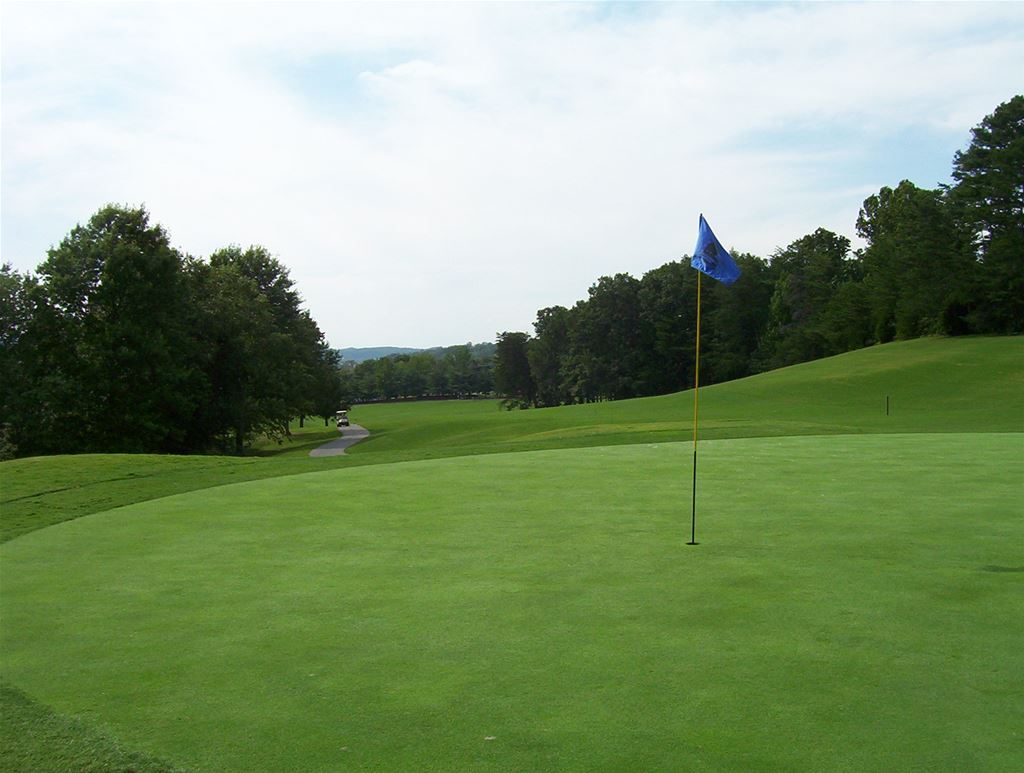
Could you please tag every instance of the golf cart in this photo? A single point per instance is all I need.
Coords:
(342, 418)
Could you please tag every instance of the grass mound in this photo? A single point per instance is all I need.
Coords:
(932, 385)
(848, 608)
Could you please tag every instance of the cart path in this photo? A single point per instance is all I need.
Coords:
(351, 435)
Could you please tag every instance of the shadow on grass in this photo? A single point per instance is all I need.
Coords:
(36, 738)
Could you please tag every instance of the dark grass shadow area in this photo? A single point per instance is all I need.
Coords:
(69, 743)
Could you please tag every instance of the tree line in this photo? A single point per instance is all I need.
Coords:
(945, 261)
(445, 372)
(120, 343)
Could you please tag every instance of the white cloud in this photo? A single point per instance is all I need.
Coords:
(435, 173)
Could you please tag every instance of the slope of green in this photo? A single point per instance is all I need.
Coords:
(45, 490)
(933, 385)
(855, 603)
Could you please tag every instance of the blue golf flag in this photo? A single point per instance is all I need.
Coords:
(712, 258)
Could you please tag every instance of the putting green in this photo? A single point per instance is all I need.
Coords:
(855, 603)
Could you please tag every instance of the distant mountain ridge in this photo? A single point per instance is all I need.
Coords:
(357, 354)
(362, 353)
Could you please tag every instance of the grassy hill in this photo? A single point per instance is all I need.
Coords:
(933, 385)
(854, 604)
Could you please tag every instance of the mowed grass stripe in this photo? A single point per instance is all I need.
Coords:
(855, 604)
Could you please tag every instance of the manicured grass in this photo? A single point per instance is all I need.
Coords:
(42, 491)
(855, 604)
(935, 385)
(301, 441)
(69, 744)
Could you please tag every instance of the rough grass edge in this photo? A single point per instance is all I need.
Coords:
(36, 739)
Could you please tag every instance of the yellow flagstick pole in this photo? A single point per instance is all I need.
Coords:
(696, 392)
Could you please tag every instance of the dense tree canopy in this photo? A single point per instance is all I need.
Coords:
(104, 352)
(988, 198)
(512, 368)
(916, 268)
(121, 344)
(466, 370)
(807, 274)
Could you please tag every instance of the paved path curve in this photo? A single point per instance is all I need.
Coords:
(351, 435)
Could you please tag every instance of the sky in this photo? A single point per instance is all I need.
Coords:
(435, 173)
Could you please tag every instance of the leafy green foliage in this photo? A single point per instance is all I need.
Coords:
(808, 272)
(121, 344)
(512, 369)
(989, 195)
(102, 347)
(454, 371)
(546, 353)
(916, 267)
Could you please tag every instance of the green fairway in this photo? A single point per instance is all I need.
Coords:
(856, 603)
(932, 385)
